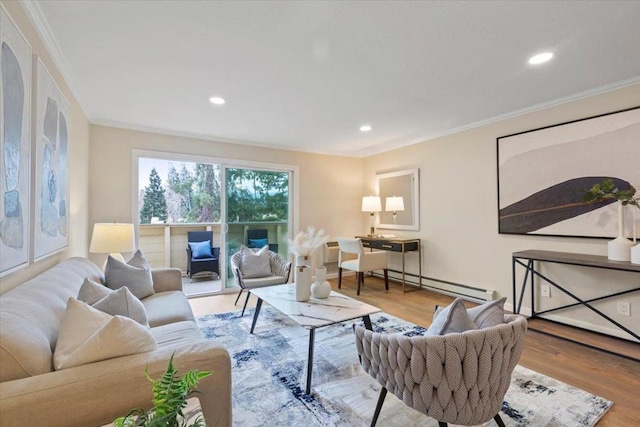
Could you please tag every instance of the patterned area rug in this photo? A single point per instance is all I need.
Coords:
(269, 373)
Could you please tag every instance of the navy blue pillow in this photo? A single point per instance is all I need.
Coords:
(201, 249)
(258, 243)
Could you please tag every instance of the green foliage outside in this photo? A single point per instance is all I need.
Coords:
(154, 203)
(192, 195)
(257, 196)
(170, 394)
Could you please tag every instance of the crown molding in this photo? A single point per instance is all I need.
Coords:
(39, 22)
(382, 148)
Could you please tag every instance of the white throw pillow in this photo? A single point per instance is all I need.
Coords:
(255, 264)
(92, 292)
(138, 279)
(88, 335)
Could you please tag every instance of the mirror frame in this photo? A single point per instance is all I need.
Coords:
(415, 198)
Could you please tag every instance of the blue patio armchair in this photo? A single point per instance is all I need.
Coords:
(202, 256)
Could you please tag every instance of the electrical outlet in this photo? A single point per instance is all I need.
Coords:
(624, 308)
(545, 290)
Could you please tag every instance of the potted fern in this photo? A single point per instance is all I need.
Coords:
(170, 394)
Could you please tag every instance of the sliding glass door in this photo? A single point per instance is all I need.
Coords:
(235, 201)
(257, 209)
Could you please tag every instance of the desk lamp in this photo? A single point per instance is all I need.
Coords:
(372, 205)
(394, 204)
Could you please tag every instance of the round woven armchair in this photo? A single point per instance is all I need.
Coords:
(459, 378)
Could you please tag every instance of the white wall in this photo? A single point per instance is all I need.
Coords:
(78, 159)
(330, 186)
(458, 210)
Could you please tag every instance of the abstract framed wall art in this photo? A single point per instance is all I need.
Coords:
(15, 146)
(51, 230)
(544, 173)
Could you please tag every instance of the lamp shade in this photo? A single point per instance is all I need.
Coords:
(371, 204)
(112, 237)
(394, 204)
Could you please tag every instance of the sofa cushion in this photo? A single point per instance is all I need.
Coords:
(177, 335)
(88, 335)
(137, 279)
(91, 292)
(255, 264)
(123, 303)
(167, 307)
(31, 316)
(453, 318)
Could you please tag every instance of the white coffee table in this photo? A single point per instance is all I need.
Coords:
(312, 314)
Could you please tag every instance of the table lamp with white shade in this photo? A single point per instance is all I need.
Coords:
(372, 205)
(112, 238)
(394, 205)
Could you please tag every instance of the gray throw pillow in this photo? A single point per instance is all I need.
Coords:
(488, 314)
(451, 319)
(255, 264)
(138, 260)
(118, 274)
(122, 303)
(92, 292)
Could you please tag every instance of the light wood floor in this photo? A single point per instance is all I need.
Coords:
(611, 377)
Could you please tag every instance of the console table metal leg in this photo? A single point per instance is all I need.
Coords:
(531, 268)
(255, 315)
(516, 306)
(312, 333)
(420, 264)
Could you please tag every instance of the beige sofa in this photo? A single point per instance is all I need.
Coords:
(33, 394)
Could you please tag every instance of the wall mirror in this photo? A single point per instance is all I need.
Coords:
(403, 184)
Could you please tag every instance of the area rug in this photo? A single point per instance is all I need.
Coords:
(269, 373)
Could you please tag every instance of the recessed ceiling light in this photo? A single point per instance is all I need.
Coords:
(540, 58)
(217, 100)
(365, 128)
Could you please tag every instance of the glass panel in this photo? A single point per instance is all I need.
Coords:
(257, 205)
(175, 198)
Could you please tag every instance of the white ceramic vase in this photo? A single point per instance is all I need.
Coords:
(619, 249)
(303, 260)
(320, 288)
(303, 283)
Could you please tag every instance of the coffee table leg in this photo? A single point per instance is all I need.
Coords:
(367, 322)
(255, 315)
(312, 333)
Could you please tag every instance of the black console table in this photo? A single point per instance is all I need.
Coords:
(397, 245)
(591, 261)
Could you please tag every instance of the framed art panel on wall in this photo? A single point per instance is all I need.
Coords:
(544, 173)
(15, 146)
(51, 233)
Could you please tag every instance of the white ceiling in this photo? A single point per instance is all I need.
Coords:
(307, 75)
